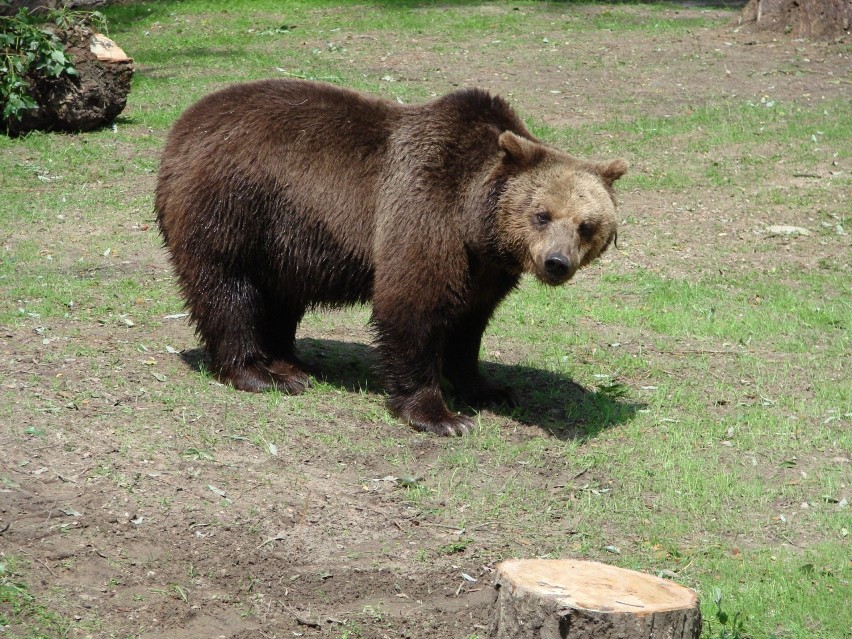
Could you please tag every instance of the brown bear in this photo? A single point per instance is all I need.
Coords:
(278, 196)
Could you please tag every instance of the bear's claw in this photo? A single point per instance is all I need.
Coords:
(452, 426)
(427, 413)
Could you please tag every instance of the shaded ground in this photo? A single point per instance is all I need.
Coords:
(138, 530)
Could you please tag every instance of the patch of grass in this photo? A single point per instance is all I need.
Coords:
(726, 136)
(20, 608)
(802, 594)
(757, 310)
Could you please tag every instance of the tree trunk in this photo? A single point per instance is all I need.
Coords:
(567, 599)
(816, 19)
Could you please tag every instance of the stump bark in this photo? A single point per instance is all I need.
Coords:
(91, 99)
(568, 599)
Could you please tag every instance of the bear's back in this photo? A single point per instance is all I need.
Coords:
(273, 156)
(285, 146)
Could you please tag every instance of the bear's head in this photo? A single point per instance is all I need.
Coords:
(556, 213)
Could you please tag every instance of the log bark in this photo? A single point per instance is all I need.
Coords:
(572, 599)
(814, 19)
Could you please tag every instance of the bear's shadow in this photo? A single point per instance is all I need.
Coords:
(546, 399)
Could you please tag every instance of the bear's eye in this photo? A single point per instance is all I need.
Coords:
(587, 230)
(542, 218)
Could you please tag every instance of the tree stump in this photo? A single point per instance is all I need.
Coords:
(817, 19)
(91, 99)
(568, 599)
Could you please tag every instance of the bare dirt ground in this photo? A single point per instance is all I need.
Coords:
(134, 531)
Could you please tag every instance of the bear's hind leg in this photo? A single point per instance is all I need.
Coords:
(258, 373)
(290, 373)
(242, 335)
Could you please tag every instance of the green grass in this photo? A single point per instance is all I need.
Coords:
(21, 609)
(754, 310)
(735, 142)
(688, 423)
(759, 311)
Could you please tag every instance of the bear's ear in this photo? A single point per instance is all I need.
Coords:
(520, 151)
(611, 171)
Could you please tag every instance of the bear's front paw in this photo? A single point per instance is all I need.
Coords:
(426, 411)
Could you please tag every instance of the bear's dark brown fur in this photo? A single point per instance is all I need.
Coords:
(278, 196)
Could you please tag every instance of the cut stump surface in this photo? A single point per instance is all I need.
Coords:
(572, 599)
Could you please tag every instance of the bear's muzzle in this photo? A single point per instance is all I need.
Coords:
(558, 268)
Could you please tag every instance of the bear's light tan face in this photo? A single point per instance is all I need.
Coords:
(560, 217)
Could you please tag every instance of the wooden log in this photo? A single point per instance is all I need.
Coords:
(572, 599)
(83, 102)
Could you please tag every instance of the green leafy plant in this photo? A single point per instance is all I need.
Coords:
(26, 48)
(730, 627)
(29, 47)
(68, 19)
(460, 545)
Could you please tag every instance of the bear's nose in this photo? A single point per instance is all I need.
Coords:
(557, 266)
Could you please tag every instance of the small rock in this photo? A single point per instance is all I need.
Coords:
(782, 229)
